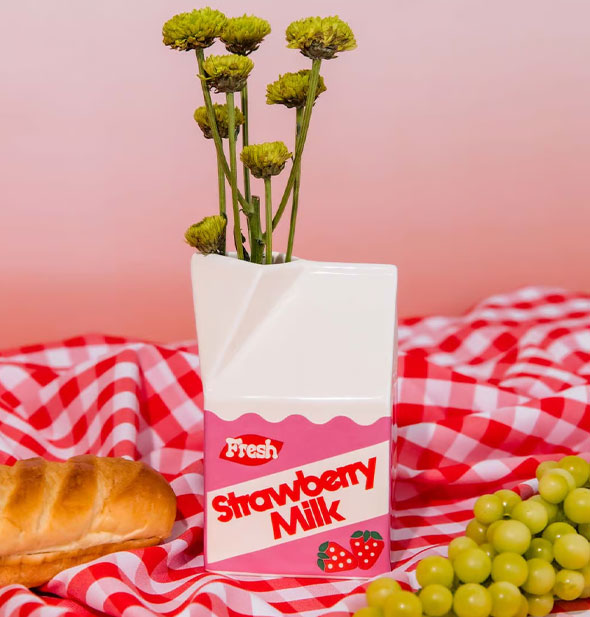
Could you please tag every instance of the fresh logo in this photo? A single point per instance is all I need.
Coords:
(250, 449)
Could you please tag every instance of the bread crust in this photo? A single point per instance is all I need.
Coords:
(57, 515)
(36, 569)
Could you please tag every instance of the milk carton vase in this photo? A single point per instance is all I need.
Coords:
(298, 365)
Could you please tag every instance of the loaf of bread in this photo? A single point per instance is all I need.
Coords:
(57, 515)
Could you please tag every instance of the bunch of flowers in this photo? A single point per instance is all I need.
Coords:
(318, 39)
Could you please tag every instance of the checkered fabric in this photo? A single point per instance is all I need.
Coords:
(483, 398)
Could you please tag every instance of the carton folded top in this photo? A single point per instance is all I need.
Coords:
(305, 337)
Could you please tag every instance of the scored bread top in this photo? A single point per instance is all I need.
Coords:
(86, 501)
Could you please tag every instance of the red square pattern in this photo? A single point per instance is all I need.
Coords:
(482, 399)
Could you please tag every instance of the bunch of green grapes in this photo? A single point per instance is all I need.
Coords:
(515, 558)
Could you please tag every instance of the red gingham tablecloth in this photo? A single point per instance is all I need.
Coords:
(483, 398)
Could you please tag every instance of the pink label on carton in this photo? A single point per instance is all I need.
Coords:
(297, 498)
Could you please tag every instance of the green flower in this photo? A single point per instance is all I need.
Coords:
(227, 73)
(202, 119)
(291, 89)
(243, 35)
(320, 37)
(265, 160)
(193, 30)
(207, 236)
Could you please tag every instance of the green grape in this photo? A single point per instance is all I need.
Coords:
(577, 505)
(472, 565)
(556, 530)
(541, 577)
(437, 600)
(508, 498)
(585, 572)
(539, 606)
(472, 600)
(571, 483)
(459, 544)
(552, 509)
(554, 487)
(491, 529)
(435, 570)
(506, 599)
(488, 549)
(511, 568)
(571, 551)
(541, 549)
(379, 590)
(523, 609)
(578, 467)
(532, 514)
(368, 611)
(476, 531)
(569, 584)
(544, 467)
(488, 508)
(584, 530)
(402, 604)
(511, 537)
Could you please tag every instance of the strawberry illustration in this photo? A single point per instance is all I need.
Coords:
(335, 558)
(366, 547)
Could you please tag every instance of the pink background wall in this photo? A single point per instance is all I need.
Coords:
(455, 142)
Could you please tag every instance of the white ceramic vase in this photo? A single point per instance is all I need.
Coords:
(298, 366)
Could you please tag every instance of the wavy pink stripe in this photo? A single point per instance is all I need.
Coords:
(303, 442)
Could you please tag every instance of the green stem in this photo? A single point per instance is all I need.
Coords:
(246, 171)
(268, 208)
(256, 230)
(233, 178)
(213, 123)
(245, 140)
(314, 78)
(296, 184)
(221, 186)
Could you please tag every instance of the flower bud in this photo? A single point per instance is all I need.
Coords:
(197, 29)
(243, 35)
(320, 37)
(291, 89)
(265, 160)
(207, 236)
(227, 73)
(221, 117)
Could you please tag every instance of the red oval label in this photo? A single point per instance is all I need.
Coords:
(251, 449)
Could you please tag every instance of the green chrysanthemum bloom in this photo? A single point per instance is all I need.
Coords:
(291, 89)
(243, 35)
(227, 73)
(221, 117)
(320, 37)
(193, 30)
(265, 160)
(207, 236)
